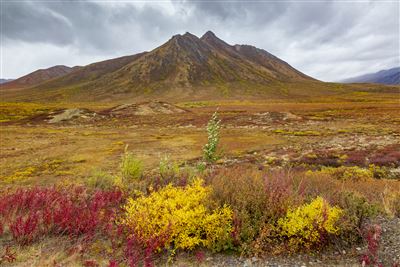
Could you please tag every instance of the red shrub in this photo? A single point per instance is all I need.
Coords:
(387, 156)
(69, 211)
(357, 157)
(90, 263)
(25, 230)
(200, 256)
(372, 236)
(282, 191)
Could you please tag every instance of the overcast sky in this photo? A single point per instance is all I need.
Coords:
(329, 40)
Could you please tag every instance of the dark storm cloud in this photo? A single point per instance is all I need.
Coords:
(329, 40)
(32, 22)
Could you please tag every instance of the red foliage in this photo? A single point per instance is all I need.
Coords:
(90, 263)
(357, 157)
(372, 236)
(282, 191)
(388, 156)
(69, 211)
(323, 158)
(142, 251)
(200, 256)
(113, 263)
(23, 230)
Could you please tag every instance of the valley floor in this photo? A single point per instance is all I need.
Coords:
(354, 140)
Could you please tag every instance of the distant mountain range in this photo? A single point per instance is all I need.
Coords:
(185, 67)
(391, 76)
(39, 76)
(5, 80)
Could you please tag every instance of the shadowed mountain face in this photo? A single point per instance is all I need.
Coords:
(184, 68)
(391, 76)
(38, 77)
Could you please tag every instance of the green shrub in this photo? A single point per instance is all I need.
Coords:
(357, 208)
(131, 168)
(213, 128)
(101, 179)
(168, 169)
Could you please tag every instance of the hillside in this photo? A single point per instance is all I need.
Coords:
(39, 76)
(184, 68)
(390, 76)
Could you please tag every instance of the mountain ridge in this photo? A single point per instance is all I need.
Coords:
(39, 76)
(389, 77)
(185, 67)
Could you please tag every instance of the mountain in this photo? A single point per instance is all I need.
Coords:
(38, 77)
(390, 76)
(184, 68)
(2, 81)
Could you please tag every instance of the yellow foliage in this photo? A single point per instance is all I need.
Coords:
(20, 175)
(346, 173)
(304, 225)
(180, 212)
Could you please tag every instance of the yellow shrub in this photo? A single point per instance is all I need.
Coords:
(346, 173)
(180, 212)
(305, 224)
(20, 175)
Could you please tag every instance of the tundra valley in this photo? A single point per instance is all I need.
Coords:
(198, 153)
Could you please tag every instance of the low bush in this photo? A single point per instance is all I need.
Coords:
(346, 173)
(387, 156)
(32, 213)
(321, 158)
(242, 208)
(131, 168)
(357, 211)
(310, 224)
(372, 235)
(181, 217)
(257, 198)
(168, 169)
(101, 179)
(243, 190)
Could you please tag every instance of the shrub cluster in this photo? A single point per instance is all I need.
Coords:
(238, 208)
(310, 224)
(181, 217)
(29, 214)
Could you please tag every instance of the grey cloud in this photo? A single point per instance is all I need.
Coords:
(88, 25)
(26, 21)
(329, 40)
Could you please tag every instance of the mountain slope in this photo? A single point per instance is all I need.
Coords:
(38, 77)
(390, 76)
(184, 68)
(91, 72)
